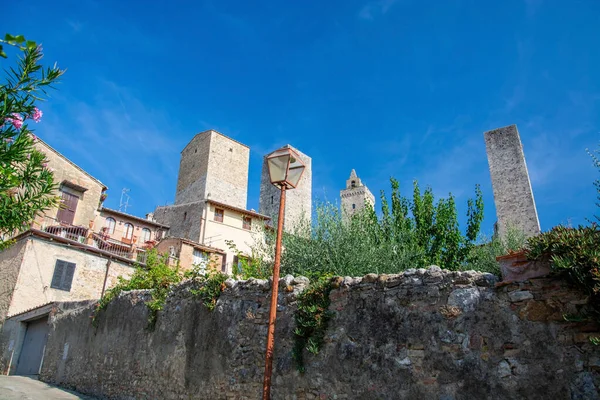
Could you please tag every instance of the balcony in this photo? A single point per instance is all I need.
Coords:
(87, 237)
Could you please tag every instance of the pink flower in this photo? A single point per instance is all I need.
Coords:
(37, 115)
(34, 138)
(44, 164)
(9, 140)
(16, 120)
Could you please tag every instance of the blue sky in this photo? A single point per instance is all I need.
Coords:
(389, 87)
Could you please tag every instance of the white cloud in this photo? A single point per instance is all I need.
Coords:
(373, 9)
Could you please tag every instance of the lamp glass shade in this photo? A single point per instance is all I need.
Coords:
(277, 163)
(294, 175)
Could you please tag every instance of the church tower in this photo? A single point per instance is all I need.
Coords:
(355, 196)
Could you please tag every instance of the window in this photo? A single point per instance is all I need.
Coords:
(247, 223)
(353, 206)
(145, 235)
(200, 260)
(128, 231)
(63, 275)
(239, 262)
(353, 184)
(219, 214)
(272, 199)
(184, 216)
(109, 224)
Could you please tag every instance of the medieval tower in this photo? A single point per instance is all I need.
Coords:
(212, 167)
(355, 197)
(515, 206)
(298, 203)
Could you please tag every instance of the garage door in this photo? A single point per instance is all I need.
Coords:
(33, 347)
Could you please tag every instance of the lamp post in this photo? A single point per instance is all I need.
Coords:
(285, 170)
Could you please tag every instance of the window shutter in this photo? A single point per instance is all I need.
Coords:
(57, 278)
(63, 275)
(70, 271)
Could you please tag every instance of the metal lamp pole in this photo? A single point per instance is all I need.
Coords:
(274, 294)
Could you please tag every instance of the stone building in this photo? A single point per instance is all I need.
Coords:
(513, 196)
(210, 199)
(298, 202)
(356, 196)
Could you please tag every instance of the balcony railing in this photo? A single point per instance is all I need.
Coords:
(99, 240)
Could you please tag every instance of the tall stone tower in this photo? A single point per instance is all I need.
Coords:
(355, 196)
(513, 196)
(213, 166)
(298, 201)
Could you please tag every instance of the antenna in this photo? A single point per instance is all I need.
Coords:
(124, 204)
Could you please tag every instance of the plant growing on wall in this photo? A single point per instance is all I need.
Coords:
(596, 159)
(26, 183)
(409, 233)
(157, 276)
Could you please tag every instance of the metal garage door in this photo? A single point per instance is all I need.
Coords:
(33, 347)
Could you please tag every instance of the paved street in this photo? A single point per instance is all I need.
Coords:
(24, 388)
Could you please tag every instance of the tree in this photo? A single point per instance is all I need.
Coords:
(596, 159)
(26, 182)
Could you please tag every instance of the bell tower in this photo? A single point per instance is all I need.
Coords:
(355, 196)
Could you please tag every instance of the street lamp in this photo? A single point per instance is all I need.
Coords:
(285, 170)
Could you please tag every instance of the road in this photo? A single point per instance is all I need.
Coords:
(24, 388)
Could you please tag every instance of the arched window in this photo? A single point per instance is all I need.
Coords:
(353, 183)
(145, 235)
(128, 231)
(109, 224)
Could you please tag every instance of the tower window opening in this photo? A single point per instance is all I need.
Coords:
(353, 184)
(272, 200)
(353, 206)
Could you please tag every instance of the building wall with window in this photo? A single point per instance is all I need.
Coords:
(355, 196)
(228, 224)
(189, 253)
(80, 274)
(79, 190)
(128, 228)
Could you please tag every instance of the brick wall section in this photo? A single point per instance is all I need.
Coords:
(213, 166)
(298, 203)
(184, 220)
(10, 265)
(87, 205)
(515, 205)
(421, 334)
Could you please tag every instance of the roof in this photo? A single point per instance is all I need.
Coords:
(122, 214)
(196, 244)
(30, 309)
(217, 132)
(71, 162)
(238, 209)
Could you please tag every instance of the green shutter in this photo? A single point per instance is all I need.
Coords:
(57, 278)
(70, 271)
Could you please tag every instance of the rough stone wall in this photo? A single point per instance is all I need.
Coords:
(216, 167)
(66, 170)
(515, 205)
(359, 195)
(298, 203)
(32, 287)
(10, 265)
(184, 220)
(427, 334)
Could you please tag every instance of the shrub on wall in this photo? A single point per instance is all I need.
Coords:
(409, 233)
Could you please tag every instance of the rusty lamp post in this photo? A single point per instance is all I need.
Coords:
(285, 170)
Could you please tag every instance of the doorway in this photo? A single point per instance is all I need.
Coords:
(34, 344)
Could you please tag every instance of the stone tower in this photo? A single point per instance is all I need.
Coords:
(298, 201)
(355, 196)
(213, 166)
(513, 196)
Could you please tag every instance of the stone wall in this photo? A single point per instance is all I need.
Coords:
(184, 220)
(10, 264)
(427, 334)
(513, 195)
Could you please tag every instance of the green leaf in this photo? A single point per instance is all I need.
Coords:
(31, 44)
